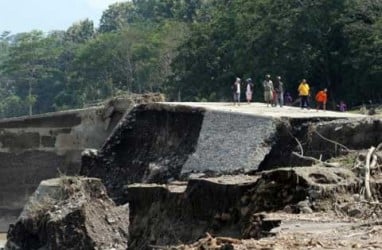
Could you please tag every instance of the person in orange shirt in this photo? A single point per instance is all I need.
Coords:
(321, 99)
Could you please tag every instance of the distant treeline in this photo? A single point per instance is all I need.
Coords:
(192, 50)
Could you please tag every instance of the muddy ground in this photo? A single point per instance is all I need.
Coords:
(301, 231)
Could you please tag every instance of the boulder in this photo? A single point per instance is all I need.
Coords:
(70, 213)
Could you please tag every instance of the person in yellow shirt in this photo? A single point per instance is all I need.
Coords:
(304, 92)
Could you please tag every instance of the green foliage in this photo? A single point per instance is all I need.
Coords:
(29, 61)
(80, 32)
(117, 16)
(193, 49)
(12, 105)
(364, 33)
(295, 39)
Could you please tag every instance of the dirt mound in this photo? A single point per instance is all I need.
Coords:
(70, 213)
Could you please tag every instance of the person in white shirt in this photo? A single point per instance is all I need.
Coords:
(236, 91)
(249, 90)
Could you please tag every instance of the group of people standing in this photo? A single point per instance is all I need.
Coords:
(321, 96)
(274, 93)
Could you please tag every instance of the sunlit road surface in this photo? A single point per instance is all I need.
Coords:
(3, 238)
(261, 109)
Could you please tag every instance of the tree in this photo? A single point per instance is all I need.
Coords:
(295, 39)
(154, 10)
(364, 32)
(29, 60)
(129, 62)
(206, 61)
(118, 16)
(186, 10)
(194, 49)
(80, 32)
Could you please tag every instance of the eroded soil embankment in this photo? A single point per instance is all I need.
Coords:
(320, 138)
(161, 144)
(149, 145)
(70, 213)
(204, 207)
(228, 206)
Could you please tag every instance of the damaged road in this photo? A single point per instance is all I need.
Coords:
(194, 177)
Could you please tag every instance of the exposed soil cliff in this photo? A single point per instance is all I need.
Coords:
(150, 144)
(229, 205)
(317, 136)
(70, 213)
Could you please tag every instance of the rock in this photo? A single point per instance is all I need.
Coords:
(196, 175)
(244, 200)
(288, 209)
(107, 123)
(306, 210)
(70, 213)
(354, 212)
(225, 217)
(356, 246)
(304, 203)
(244, 211)
(304, 206)
(314, 194)
(357, 197)
(108, 112)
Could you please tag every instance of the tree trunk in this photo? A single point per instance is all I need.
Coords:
(30, 98)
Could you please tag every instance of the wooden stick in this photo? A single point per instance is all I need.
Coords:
(334, 142)
(367, 173)
(299, 146)
(223, 240)
(309, 158)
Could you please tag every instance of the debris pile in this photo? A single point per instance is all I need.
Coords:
(70, 213)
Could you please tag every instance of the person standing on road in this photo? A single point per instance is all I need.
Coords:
(304, 92)
(342, 106)
(321, 99)
(279, 89)
(268, 90)
(288, 99)
(249, 90)
(236, 91)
